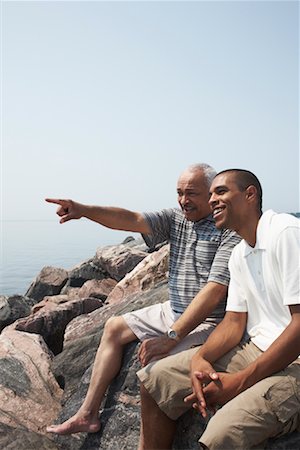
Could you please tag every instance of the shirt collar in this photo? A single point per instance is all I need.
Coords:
(262, 233)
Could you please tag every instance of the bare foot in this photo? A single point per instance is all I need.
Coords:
(76, 425)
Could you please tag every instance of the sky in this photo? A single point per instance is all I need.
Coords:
(107, 102)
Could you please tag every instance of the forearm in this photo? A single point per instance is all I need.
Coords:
(284, 350)
(116, 218)
(227, 335)
(200, 308)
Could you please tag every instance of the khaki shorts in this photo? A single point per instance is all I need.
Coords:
(155, 320)
(269, 408)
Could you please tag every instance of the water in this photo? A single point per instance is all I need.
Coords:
(28, 246)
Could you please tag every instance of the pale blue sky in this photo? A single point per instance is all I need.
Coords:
(106, 102)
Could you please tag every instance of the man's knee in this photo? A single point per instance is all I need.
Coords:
(117, 331)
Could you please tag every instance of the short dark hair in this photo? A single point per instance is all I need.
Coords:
(244, 179)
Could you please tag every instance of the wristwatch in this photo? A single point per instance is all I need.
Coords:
(172, 334)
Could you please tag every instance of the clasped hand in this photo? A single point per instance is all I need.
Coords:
(155, 348)
(210, 388)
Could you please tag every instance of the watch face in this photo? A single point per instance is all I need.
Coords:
(172, 334)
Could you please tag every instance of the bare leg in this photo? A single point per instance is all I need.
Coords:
(106, 366)
(157, 429)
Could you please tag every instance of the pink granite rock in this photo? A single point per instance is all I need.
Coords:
(51, 321)
(118, 260)
(51, 302)
(150, 271)
(97, 288)
(29, 395)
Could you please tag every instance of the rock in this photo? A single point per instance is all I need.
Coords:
(12, 308)
(97, 288)
(137, 243)
(150, 271)
(51, 322)
(83, 272)
(118, 260)
(29, 395)
(49, 282)
(50, 302)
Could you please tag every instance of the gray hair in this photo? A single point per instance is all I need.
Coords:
(208, 171)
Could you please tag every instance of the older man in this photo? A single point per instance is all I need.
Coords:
(253, 386)
(198, 279)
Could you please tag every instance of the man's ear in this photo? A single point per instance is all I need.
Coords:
(251, 193)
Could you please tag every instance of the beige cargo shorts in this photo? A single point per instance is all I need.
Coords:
(268, 409)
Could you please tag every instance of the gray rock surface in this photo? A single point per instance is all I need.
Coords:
(12, 438)
(13, 308)
(88, 270)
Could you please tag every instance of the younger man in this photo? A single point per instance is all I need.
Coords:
(256, 383)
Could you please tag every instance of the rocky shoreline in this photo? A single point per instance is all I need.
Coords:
(48, 342)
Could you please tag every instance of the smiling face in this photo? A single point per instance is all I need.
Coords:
(193, 195)
(229, 204)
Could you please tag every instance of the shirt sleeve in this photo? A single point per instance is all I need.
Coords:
(219, 271)
(160, 224)
(288, 257)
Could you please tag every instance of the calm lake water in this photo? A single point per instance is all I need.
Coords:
(28, 246)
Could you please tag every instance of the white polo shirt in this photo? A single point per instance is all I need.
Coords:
(264, 280)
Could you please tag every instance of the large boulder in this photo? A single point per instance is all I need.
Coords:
(49, 282)
(118, 260)
(150, 271)
(97, 288)
(91, 289)
(29, 396)
(88, 270)
(51, 322)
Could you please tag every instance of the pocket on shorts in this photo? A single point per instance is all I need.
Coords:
(283, 399)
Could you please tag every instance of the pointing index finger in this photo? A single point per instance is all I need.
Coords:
(57, 201)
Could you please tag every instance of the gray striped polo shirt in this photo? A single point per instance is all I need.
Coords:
(199, 253)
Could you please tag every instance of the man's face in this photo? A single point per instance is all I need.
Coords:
(193, 195)
(228, 204)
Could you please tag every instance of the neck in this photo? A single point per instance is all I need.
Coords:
(248, 232)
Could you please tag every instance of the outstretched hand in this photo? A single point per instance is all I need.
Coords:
(155, 348)
(67, 210)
